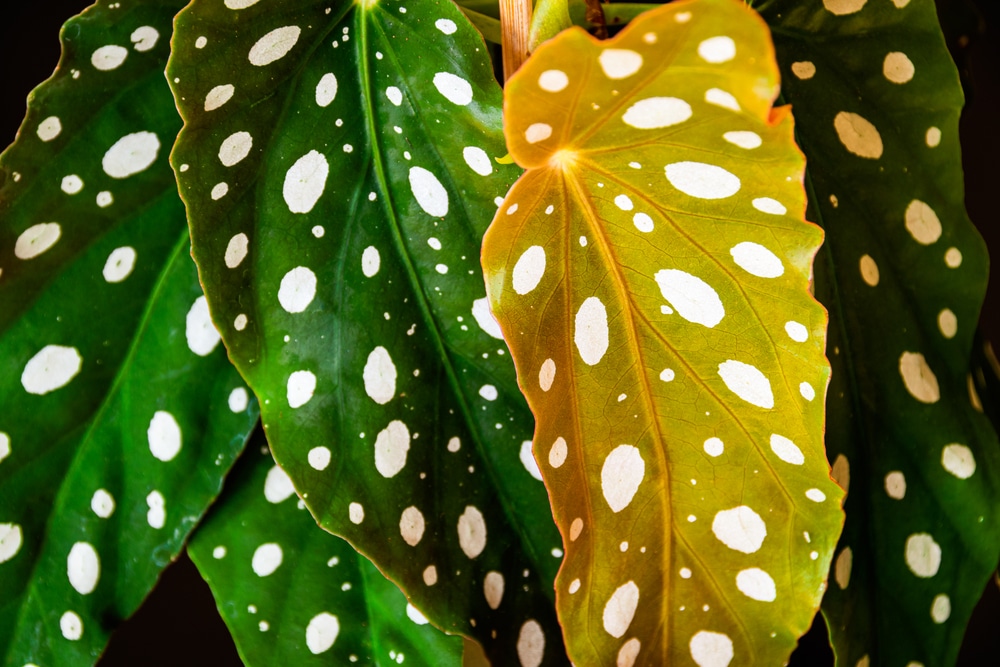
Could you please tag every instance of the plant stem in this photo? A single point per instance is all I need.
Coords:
(515, 18)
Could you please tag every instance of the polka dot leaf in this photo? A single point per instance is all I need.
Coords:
(293, 594)
(651, 272)
(903, 273)
(338, 166)
(114, 387)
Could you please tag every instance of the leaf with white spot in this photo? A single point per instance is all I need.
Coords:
(114, 387)
(291, 593)
(343, 264)
(668, 343)
(903, 273)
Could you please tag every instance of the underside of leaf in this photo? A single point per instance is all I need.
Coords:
(651, 274)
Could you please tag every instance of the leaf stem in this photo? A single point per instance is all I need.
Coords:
(515, 18)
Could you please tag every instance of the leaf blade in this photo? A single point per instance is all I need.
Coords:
(111, 388)
(586, 248)
(879, 101)
(405, 151)
(320, 576)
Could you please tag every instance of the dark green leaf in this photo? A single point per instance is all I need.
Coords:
(113, 386)
(291, 593)
(903, 274)
(337, 164)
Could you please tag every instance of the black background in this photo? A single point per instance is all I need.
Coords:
(179, 625)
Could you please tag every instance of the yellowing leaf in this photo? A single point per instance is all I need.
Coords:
(651, 274)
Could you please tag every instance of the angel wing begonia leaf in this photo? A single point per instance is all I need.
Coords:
(293, 594)
(903, 273)
(113, 386)
(651, 274)
(337, 162)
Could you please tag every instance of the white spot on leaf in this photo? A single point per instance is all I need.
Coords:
(786, 450)
(858, 135)
(53, 367)
(478, 160)
(528, 460)
(741, 529)
(743, 139)
(131, 154)
(300, 388)
(620, 609)
(747, 382)
(326, 89)
(693, 299)
(530, 644)
(756, 584)
(528, 270)
(703, 181)
(380, 376)
(922, 222)
(621, 475)
(108, 57)
(119, 264)
(958, 460)
(918, 378)
(493, 585)
(454, 88)
(619, 63)
(591, 331)
(321, 633)
(202, 336)
(428, 191)
(923, 555)
(235, 148)
(36, 239)
(305, 181)
(297, 289)
(164, 436)
(757, 260)
(274, 45)
(472, 531)
(717, 50)
(657, 112)
(553, 80)
(83, 568)
(711, 649)
(391, 447)
(411, 526)
(277, 486)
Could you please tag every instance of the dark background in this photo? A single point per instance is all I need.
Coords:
(179, 625)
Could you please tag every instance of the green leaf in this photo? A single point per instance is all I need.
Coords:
(903, 273)
(651, 273)
(113, 385)
(293, 594)
(339, 254)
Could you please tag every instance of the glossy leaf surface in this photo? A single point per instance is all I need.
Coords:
(293, 594)
(337, 164)
(651, 273)
(903, 273)
(113, 385)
